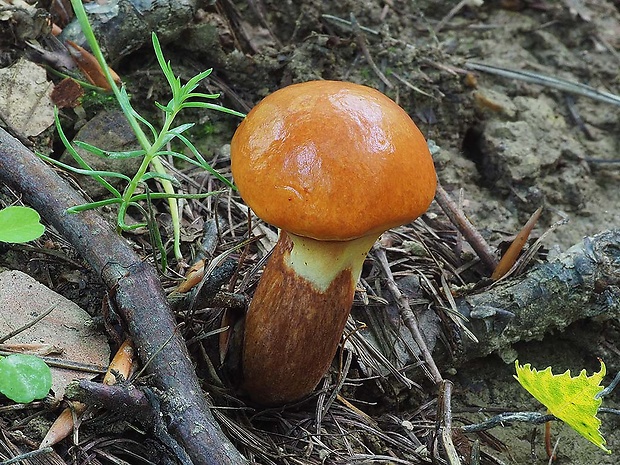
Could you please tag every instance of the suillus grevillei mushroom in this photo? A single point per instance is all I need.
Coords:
(333, 165)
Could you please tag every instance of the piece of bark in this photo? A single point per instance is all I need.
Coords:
(583, 282)
(139, 297)
(125, 26)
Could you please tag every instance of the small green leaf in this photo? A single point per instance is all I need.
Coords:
(109, 154)
(182, 128)
(571, 399)
(20, 224)
(193, 82)
(24, 378)
(154, 175)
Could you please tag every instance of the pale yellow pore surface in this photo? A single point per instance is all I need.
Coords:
(319, 262)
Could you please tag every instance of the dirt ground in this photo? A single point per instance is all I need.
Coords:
(503, 145)
(507, 146)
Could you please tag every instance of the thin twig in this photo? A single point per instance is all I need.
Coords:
(608, 389)
(576, 117)
(471, 234)
(408, 316)
(500, 420)
(458, 7)
(30, 324)
(402, 80)
(612, 411)
(610, 48)
(444, 422)
(59, 254)
(360, 39)
(67, 364)
(344, 22)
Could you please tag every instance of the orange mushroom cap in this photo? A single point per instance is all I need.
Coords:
(332, 161)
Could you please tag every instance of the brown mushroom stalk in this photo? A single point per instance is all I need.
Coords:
(333, 165)
(307, 290)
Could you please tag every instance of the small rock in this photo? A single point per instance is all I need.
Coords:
(108, 131)
(67, 327)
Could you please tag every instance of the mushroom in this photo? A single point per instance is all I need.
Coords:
(333, 165)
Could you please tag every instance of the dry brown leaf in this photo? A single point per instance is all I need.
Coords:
(91, 68)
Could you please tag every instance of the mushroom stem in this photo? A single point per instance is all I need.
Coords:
(298, 314)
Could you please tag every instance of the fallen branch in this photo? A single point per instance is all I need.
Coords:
(584, 282)
(139, 298)
(131, 403)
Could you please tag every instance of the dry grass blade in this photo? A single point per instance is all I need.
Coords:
(547, 81)
(374, 357)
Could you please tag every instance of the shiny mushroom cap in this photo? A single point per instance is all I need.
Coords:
(332, 161)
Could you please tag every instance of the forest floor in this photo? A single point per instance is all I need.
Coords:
(502, 146)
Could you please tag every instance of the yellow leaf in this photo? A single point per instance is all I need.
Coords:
(571, 399)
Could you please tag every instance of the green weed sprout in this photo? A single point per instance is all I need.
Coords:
(20, 224)
(153, 144)
(24, 378)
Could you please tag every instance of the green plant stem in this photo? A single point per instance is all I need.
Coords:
(183, 96)
(174, 208)
(149, 148)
